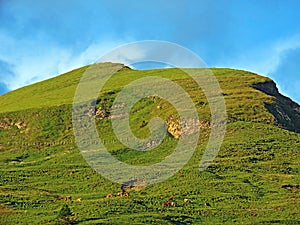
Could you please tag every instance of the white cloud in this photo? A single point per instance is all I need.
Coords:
(133, 53)
(269, 60)
(264, 59)
(163, 52)
(32, 62)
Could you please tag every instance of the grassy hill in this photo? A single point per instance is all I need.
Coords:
(253, 180)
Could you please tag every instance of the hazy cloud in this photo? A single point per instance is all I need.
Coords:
(278, 60)
(287, 69)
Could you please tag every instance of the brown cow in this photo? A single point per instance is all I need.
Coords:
(125, 194)
(59, 198)
(167, 204)
(109, 195)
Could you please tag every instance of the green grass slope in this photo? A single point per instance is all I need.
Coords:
(253, 180)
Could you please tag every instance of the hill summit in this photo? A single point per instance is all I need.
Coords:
(238, 87)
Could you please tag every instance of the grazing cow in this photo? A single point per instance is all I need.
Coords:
(167, 204)
(68, 198)
(59, 198)
(207, 204)
(119, 194)
(170, 199)
(109, 195)
(173, 204)
(78, 200)
(125, 194)
(186, 200)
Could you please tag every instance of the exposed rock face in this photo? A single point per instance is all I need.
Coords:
(268, 87)
(186, 127)
(20, 124)
(4, 125)
(102, 113)
(285, 111)
(174, 127)
(133, 184)
(7, 123)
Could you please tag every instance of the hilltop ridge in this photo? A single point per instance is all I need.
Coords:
(238, 86)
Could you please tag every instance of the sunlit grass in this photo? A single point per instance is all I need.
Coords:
(244, 184)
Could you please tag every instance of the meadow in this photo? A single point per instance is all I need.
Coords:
(253, 180)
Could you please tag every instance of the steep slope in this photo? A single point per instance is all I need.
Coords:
(253, 180)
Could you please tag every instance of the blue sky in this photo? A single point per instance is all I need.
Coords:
(40, 39)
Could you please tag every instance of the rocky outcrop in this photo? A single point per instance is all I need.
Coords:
(174, 127)
(186, 127)
(268, 87)
(4, 125)
(102, 113)
(20, 124)
(285, 111)
(7, 123)
(133, 185)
